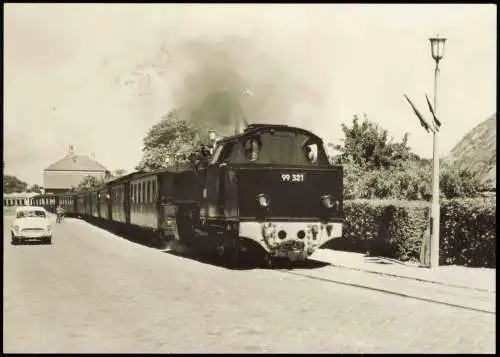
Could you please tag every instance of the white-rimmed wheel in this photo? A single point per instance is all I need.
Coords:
(14, 240)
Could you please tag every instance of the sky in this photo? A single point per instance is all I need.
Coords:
(98, 76)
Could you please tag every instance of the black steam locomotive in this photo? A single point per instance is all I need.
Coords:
(270, 187)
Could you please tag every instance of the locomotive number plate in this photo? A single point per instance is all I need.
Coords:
(293, 177)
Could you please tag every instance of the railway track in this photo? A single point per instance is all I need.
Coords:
(457, 297)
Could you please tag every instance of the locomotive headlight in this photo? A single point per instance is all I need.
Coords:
(327, 201)
(263, 199)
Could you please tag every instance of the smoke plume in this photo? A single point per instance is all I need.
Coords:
(273, 81)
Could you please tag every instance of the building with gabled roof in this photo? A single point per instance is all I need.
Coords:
(69, 171)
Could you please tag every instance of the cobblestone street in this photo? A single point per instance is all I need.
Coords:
(91, 291)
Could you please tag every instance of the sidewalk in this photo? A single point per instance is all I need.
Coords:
(451, 275)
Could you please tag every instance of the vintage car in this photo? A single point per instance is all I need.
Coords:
(31, 223)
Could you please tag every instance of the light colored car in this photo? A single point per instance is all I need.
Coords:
(31, 223)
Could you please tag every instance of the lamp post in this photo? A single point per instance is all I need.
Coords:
(437, 52)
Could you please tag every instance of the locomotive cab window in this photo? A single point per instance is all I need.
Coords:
(252, 148)
(281, 146)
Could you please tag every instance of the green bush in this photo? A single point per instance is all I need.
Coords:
(395, 229)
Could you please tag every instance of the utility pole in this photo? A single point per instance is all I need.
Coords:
(437, 51)
(437, 48)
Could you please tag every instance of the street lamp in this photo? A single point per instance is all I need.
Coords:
(437, 52)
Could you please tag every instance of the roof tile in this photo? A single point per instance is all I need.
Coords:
(76, 163)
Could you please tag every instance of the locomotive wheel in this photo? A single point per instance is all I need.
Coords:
(233, 251)
(270, 261)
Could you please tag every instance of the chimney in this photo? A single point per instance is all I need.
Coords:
(92, 156)
(71, 151)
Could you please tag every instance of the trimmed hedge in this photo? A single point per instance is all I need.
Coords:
(395, 229)
(468, 232)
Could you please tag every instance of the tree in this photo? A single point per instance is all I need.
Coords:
(35, 188)
(12, 184)
(88, 183)
(169, 142)
(458, 180)
(367, 145)
(119, 173)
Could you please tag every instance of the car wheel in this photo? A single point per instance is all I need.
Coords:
(14, 240)
(48, 240)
